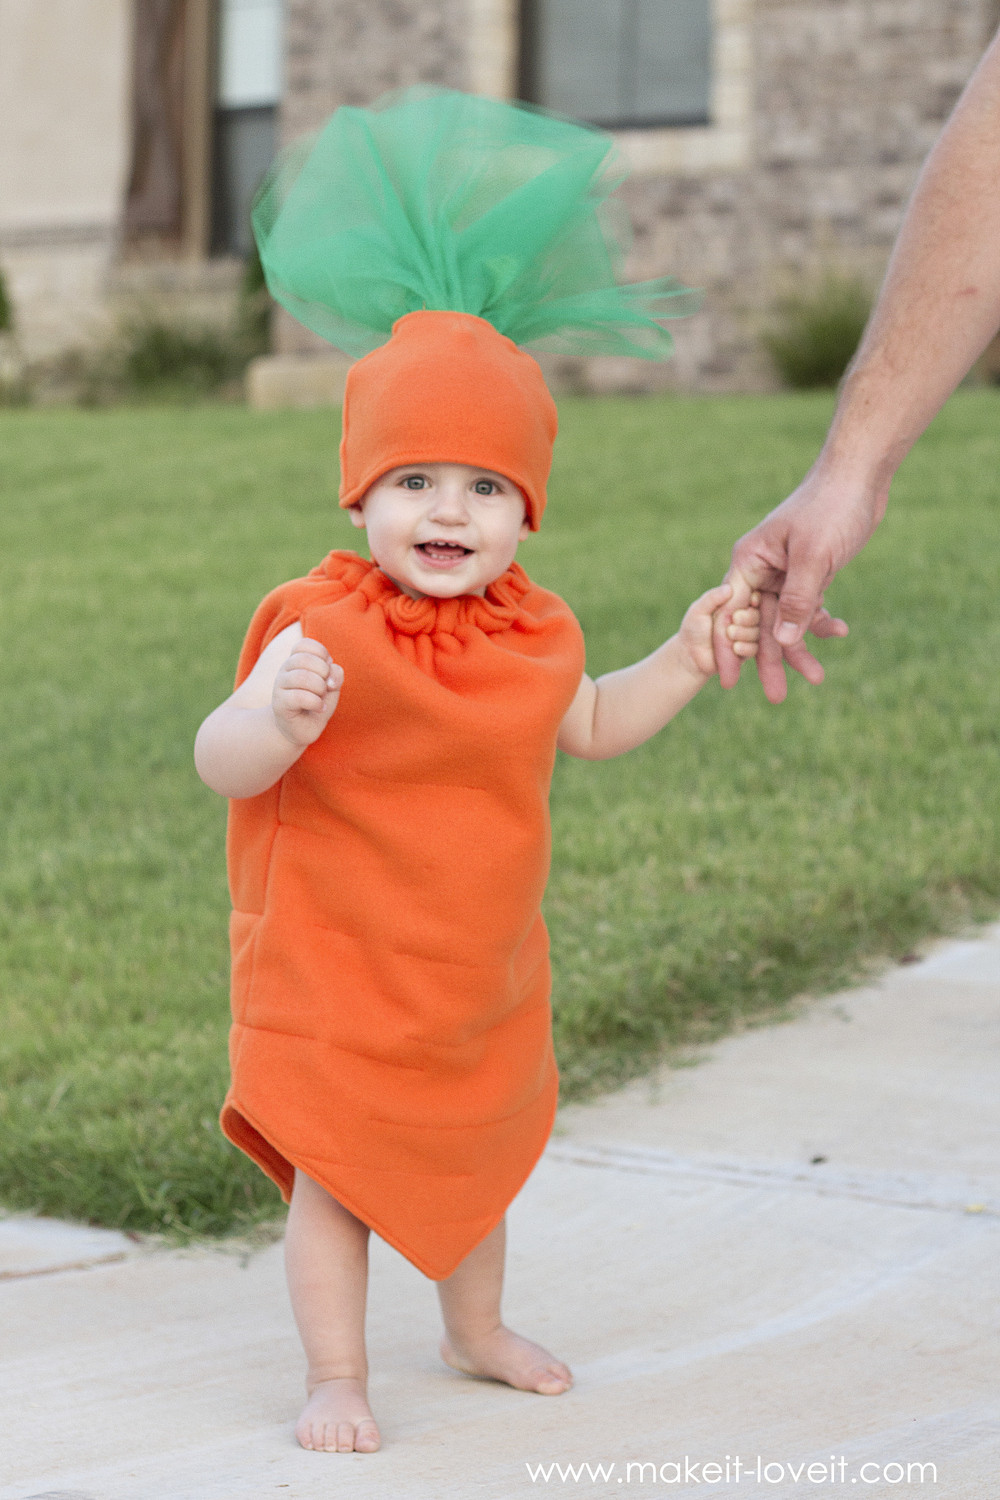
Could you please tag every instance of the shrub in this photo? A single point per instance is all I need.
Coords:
(156, 356)
(151, 358)
(253, 315)
(158, 353)
(6, 310)
(159, 358)
(818, 331)
(15, 389)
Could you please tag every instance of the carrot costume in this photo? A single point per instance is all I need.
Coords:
(391, 1027)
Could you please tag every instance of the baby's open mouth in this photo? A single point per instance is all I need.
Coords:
(443, 551)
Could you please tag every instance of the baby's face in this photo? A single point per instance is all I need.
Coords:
(442, 529)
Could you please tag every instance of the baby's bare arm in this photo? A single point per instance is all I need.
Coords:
(251, 740)
(624, 709)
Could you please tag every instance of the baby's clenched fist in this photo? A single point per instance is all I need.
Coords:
(744, 629)
(306, 692)
(695, 634)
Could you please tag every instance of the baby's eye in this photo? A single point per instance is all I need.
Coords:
(414, 482)
(485, 487)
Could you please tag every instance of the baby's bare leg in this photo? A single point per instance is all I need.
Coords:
(326, 1260)
(476, 1341)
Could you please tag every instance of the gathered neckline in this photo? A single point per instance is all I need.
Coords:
(494, 611)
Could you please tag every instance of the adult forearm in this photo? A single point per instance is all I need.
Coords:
(940, 303)
(240, 752)
(938, 308)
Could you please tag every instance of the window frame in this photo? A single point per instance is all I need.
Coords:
(528, 51)
(223, 229)
(724, 145)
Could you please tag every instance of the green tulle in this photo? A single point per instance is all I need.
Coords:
(435, 199)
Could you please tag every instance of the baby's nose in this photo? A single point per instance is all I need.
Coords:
(450, 502)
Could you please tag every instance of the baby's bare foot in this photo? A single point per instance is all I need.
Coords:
(338, 1419)
(503, 1355)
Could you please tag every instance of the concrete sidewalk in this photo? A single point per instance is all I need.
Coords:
(789, 1253)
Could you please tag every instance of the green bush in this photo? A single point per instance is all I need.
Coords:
(161, 353)
(6, 311)
(150, 357)
(157, 357)
(818, 331)
(253, 315)
(14, 386)
(158, 353)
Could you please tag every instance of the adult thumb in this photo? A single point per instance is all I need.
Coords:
(801, 596)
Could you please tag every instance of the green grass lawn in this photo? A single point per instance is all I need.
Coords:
(746, 855)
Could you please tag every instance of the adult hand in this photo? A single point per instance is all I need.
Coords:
(790, 557)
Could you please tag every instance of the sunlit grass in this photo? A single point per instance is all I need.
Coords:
(746, 855)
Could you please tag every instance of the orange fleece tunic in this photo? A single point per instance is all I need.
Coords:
(390, 979)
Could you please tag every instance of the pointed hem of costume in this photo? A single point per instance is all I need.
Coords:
(248, 1136)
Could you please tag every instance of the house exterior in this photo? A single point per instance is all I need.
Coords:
(768, 142)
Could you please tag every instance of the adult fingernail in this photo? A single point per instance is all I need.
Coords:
(787, 633)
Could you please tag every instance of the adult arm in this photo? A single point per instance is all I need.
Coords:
(938, 309)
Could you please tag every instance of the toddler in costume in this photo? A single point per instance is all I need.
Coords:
(391, 739)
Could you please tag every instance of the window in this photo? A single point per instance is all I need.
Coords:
(619, 63)
(248, 90)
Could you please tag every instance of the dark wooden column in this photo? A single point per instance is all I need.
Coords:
(167, 202)
(200, 36)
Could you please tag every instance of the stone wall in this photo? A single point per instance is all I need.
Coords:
(838, 104)
(848, 97)
(63, 160)
(66, 77)
(350, 52)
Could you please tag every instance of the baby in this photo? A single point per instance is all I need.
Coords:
(389, 746)
(437, 531)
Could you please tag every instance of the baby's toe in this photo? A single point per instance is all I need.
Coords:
(366, 1438)
(324, 1438)
(553, 1379)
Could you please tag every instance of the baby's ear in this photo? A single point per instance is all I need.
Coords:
(357, 515)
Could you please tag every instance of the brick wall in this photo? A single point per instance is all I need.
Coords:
(350, 52)
(848, 97)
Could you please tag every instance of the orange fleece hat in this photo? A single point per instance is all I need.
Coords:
(448, 388)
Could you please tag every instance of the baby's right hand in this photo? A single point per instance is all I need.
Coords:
(306, 692)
